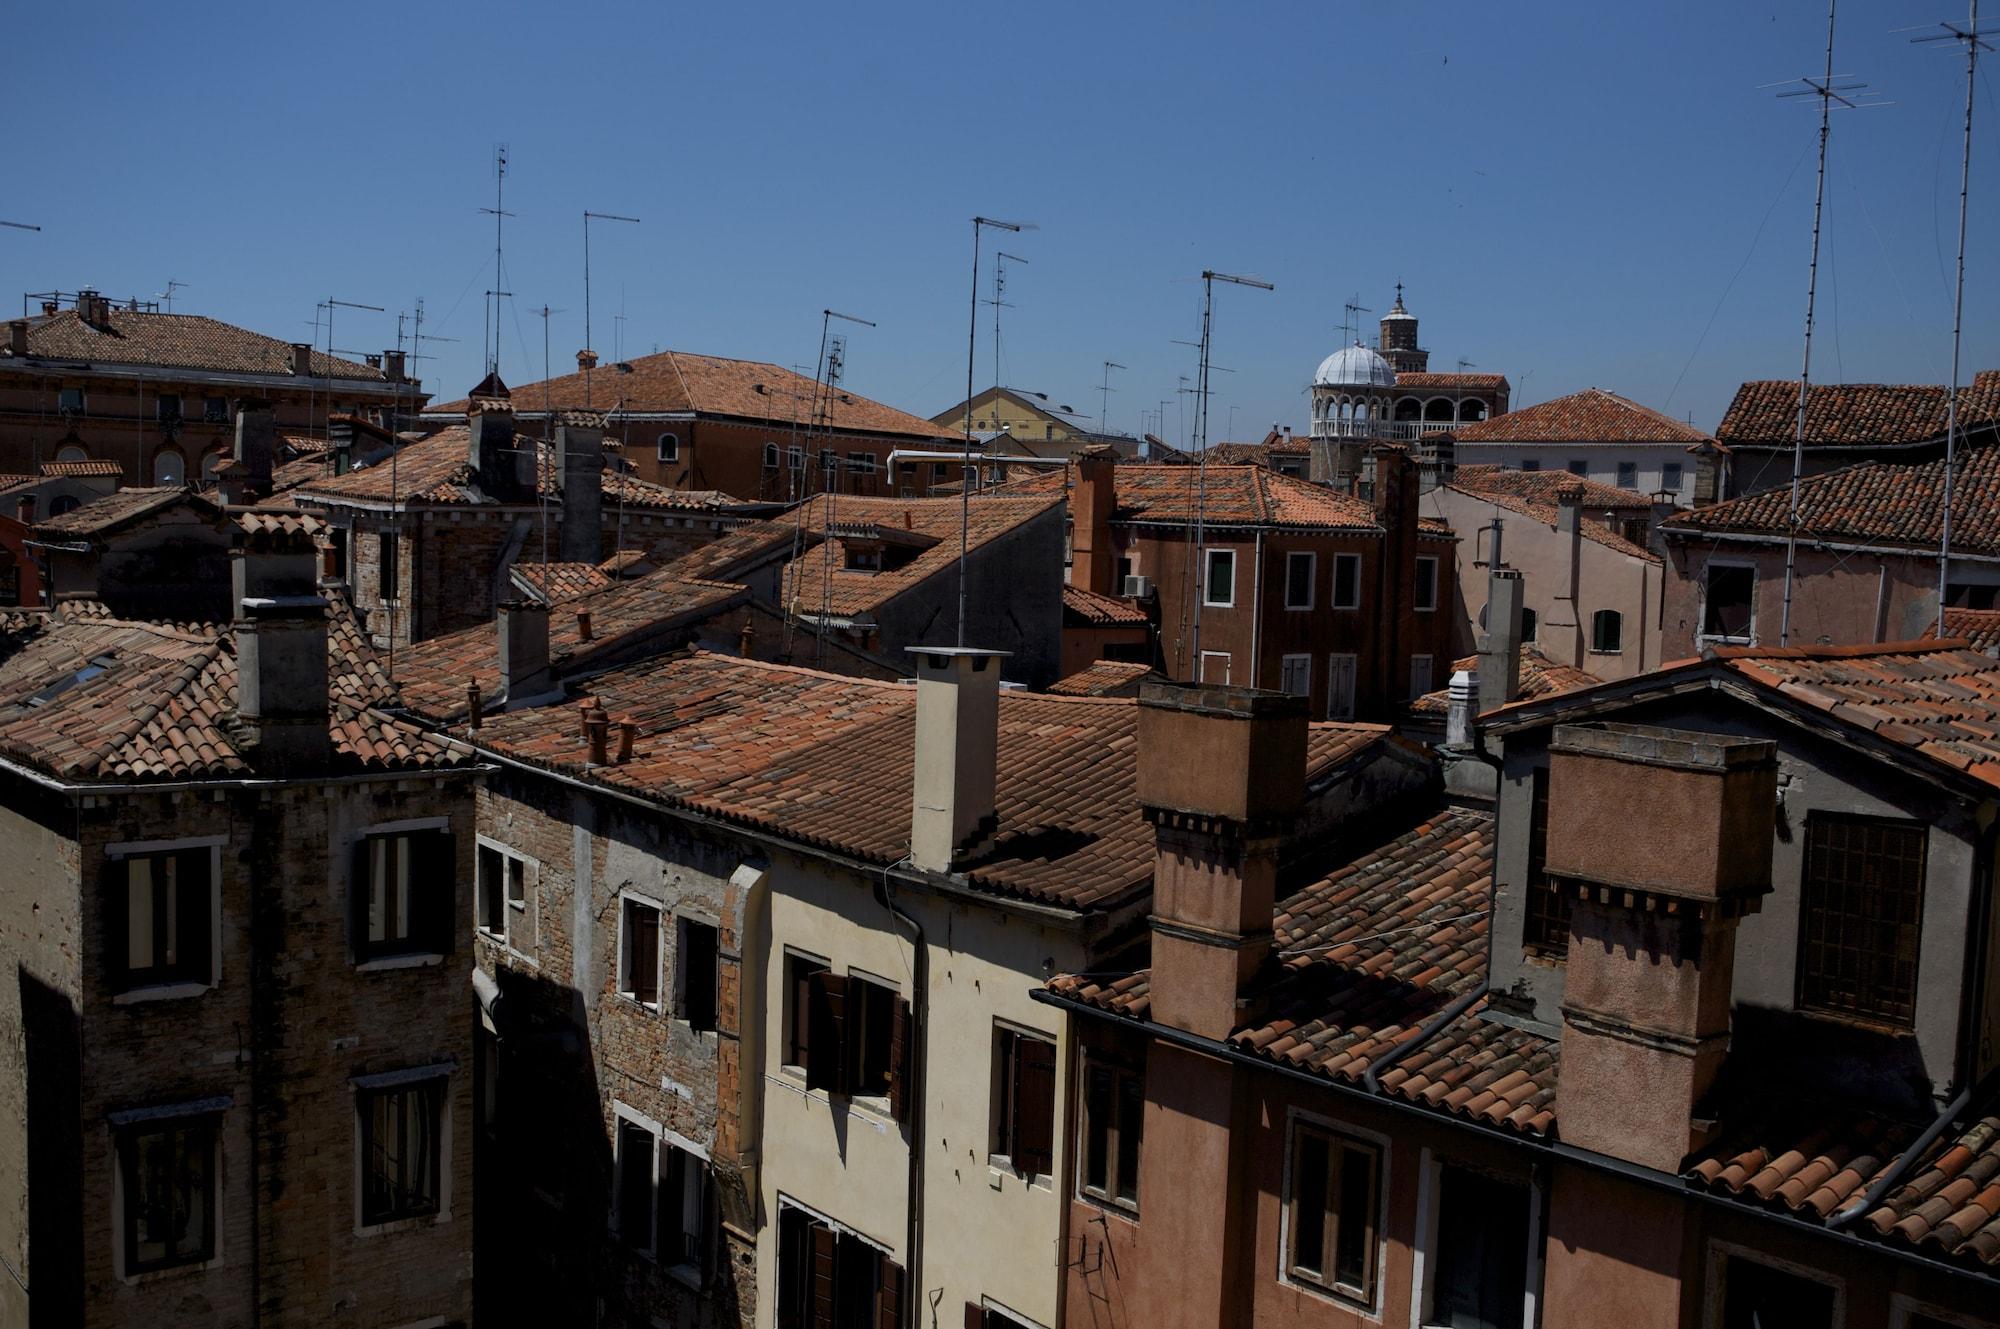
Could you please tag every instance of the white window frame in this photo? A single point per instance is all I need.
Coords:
(1372, 1308)
(1430, 608)
(1201, 675)
(668, 447)
(407, 959)
(1430, 1174)
(1595, 649)
(512, 911)
(1301, 665)
(1208, 599)
(447, 1103)
(1715, 1265)
(1312, 578)
(1902, 1306)
(773, 456)
(626, 993)
(623, 1115)
(1333, 590)
(1701, 637)
(139, 848)
(1619, 475)
(1353, 684)
(171, 1112)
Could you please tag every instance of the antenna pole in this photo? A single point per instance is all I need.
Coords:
(1208, 280)
(1104, 395)
(965, 474)
(499, 215)
(588, 337)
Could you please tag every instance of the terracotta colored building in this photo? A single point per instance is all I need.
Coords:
(1627, 1047)
(748, 429)
(158, 393)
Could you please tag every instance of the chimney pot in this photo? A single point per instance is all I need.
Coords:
(583, 624)
(17, 336)
(954, 769)
(302, 359)
(627, 731)
(48, 307)
(329, 565)
(281, 689)
(744, 640)
(25, 510)
(1091, 511)
(394, 367)
(596, 733)
(472, 705)
(586, 359)
(524, 649)
(1461, 718)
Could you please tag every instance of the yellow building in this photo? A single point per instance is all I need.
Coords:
(1033, 422)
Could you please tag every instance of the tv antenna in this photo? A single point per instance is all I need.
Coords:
(832, 364)
(979, 225)
(329, 305)
(1104, 392)
(1974, 40)
(1209, 278)
(1350, 325)
(588, 218)
(168, 294)
(999, 302)
(499, 214)
(1849, 94)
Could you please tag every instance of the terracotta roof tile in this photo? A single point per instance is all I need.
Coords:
(1545, 512)
(176, 341)
(1226, 495)
(99, 466)
(1540, 677)
(1543, 486)
(747, 546)
(925, 529)
(1590, 416)
(1090, 608)
(1423, 379)
(101, 516)
(1106, 678)
(556, 582)
(1764, 413)
(1979, 628)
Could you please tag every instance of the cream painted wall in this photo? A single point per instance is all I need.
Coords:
(1600, 462)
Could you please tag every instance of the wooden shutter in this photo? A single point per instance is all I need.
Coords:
(888, 1294)
(975, 1315)
(357, 896)
(824, 1243)
(197, 900)
(826, 1031)
(902, 1038)
(1034, 1105)
(117, 923)
(642, 951)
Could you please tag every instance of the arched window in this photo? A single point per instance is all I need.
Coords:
(169, 468)
(1472, 410)
(1607, 631)
(64, 503)
(670, 448)
(1409, 408)
(771, 456)
(211, 463)
(72, 452)
(1438, 411)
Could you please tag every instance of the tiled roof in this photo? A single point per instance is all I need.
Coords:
(1547, 513)
(1415, 379)
(1543, 486)
(1979, 627)
(556, 582)
(817, 583)
(1877, 502)
(1764, 414)
(1368, 955)
(88, 466)
(1540, 677)
(747, 546)
(1817, 1161)
(1590, 416)
(1094, 610)
(175, 341)
(101, 516)
(825, 761)
(87, 696)
(435, 471)
(1226, 495)
(1106, 678)
(710, 385)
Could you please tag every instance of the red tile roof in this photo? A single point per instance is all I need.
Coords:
(122, 507)
(175, 341)
(825, 761)
(1764, 414)
(750, 545)
(1540, 677)
(1106, 678)
(88, 466)
(1090, 609)
(817, 583)
(1890, 503)
(556, 582)
(1415, 379)
(1590, 416)
(1543, 486)
(1979, 628)
(711, 385)
(1546, 513)
(1226, 495)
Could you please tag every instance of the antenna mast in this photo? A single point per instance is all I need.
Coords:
(1000, 261)
(499, 215)
(1104, 394)
(591, 356)
(979, 224)
(1208, 280)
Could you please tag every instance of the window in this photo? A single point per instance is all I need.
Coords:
(167, 1170)
(401, 1136)
(696, 975)
(1420, 676)
(215, 410)
(637, 1169)
(861, 463)
(1962, 595)
(71, 452)
(1628, 475)
(1860, 913)
(830, 1278)
(1670, 477)
(1114, 1105)
(70, 401)
(503, 890)
(1425, 593)
(404, 888)
(1727, 610)
(639, 952)
(799, 972)
(1024, 1102)
(387, 576)
(1578, 467)
(1347, 581)
(164, 905)
(1531, 464)
(213, 462)
(1545, 926)
(688, 1224)
(795, 457)
(1215, 667)
(168, 406)
(1299, 570)
(771, 456)
(169, 468)
(871, 1036)
(669, 447)
(1481, 1269)
(1332, 1209)
(1218, 587)
(1295, 675)
(858, 1039)
(1340, 670)
(1756, 1296)
(1530, 624)
(1607, 631)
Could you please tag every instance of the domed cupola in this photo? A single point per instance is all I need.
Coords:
(1354, 367)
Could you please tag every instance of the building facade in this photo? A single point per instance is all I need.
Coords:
(1594, 435)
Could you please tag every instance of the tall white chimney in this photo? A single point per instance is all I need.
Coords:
(957, 751)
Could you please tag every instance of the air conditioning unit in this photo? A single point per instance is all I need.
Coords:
(1138, 588)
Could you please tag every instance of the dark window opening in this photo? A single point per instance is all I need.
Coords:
(635, 1186)
(1346, 581)
(1962, 595)
(799, 973)
(215, 410)
(1482, 1252)
(1426, 591)
(1860, 916)
(169, 1206)
(1545, 925)
(1299, 581)
(832, 1279)
(639, 953)
(871, 1015)
(1756, 1296)
(388, 573)
(169, 406)
(1024, 1101)
(1607, 631)
(401, 1131)
(404, 889)
(689, 1220)
(1727, 601)
(161, 910)
(697, 952)
(1335, 1198)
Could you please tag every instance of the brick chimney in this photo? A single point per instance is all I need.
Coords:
(493, 452)
(24, 510)
(281, 689)
(1500, 649)
(340, 442)
(395, 367)
(957, 753)
(92, 307)
(586, 359)
(256, 442)
(524, 649)
(579, 442)
(1221, 777)
(302, 359)
(17, 336)
(1662, 839)
(1093, 562)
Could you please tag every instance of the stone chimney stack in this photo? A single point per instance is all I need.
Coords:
(1569, 509)
(524, 649)
(1093, 562)
(256, 442)
(1221, 775)
(281, 688)
(302, 359)
(1662, 839)
(17, 336)
(24, 510)
(491, 449)
(395, 367)
(957, 753)
(92, 307)
(1500, 651)
(1461, 723)
(579, 441)
(340, 442)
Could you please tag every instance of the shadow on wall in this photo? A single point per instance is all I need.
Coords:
(52, 1039)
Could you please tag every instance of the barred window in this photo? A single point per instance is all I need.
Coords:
(1860, 913)
(1545, 927)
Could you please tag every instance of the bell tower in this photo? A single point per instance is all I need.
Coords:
(1399, 339)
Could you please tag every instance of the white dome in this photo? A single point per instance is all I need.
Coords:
(1354, 367)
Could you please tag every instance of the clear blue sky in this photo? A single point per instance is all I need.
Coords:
(1566, 189)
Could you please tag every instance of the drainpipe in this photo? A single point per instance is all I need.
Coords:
(913, 1239)
(1894, 1176)
(1432, 1027)
(1257, 607)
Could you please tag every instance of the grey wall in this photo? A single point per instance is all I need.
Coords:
(1013, 603)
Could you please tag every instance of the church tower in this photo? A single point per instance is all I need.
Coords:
(1399, 339)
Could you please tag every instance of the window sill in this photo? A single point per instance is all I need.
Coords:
(1348, 1298)
(171, 1271)
(1125, 1209)
(1212, 604)
(1595, 651)
(384, 963)
(1298, 609)
(1001, 1167)
(160, 992)
(389, 1225)
(687, 1275)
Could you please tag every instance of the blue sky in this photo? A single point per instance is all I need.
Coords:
(1567, 189)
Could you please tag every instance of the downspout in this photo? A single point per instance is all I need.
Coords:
(1256, 607)
(913, 1237)
(1894, 1176)
(1432, 1027)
